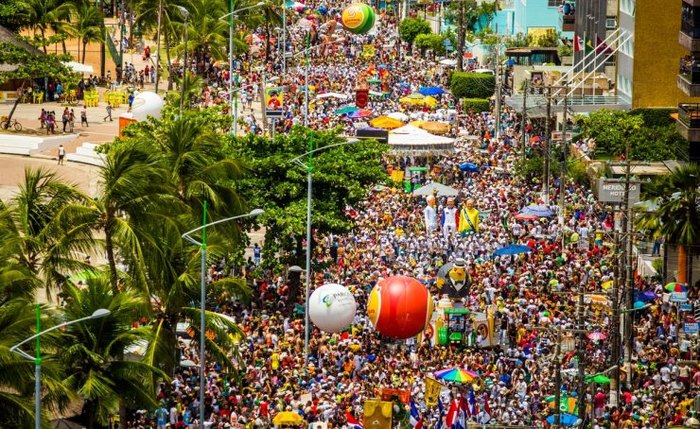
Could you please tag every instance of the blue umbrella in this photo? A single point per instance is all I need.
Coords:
(512, 249)
(537, 210)
(645, 296)
(431, 90)
(565, 419)
(469, 167)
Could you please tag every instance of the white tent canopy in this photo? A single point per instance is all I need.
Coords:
(411, 140)
(78, 67)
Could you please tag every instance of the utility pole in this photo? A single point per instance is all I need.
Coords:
(498, 85)
(157, 51)
(460, 37)
(615, 327)
(562, 180)
(547, 145)
(557, 381)
(580, 350)
(522, 122)
(628, 288)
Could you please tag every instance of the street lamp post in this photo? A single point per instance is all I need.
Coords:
(233, 82)
(186, 14)
(102, 312)
(309, 187)
(203, 293)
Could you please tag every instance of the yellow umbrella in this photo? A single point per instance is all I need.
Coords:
(435, 127)
(386, 123)
(430, 102)
(287, 418)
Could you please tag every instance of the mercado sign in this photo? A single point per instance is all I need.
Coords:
(613, 191)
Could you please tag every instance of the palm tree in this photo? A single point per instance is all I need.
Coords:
(135, 190)
(677, 216)
(18, 322)
(88, 26)
(45, 14)
(94, 360)
(31, 234)
(206, 32)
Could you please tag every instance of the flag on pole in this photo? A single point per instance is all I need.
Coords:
(415, 418)
(601, 46)
(578, 43)
(353, 423)
(452, 414)
(441, 415)
(589, 45)
(461, 422)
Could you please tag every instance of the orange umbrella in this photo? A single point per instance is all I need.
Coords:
(386, 123)
(435, 127)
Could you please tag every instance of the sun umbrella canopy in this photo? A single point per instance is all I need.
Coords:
(431, 90)
(398, 115)
(457, 375)
(598, 379)
(435, 127)
(537, 210)
(288, 418)
(385, 122)
(596, 336)
(645, 296)
(469, 167)
(676, 287)
(442, 190)
(512, 249)
(565, 419)
(362, 113)
(332, 95)
(346, 110)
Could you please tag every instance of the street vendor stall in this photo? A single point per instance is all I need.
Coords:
(410, 140)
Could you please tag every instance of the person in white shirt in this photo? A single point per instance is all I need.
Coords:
(449, 218)
(430, 215)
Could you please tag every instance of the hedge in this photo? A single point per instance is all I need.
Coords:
(477, 105)
(655, 117)
(472, 85)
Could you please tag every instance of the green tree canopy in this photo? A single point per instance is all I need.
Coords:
(31, 66)
(472, 85)
(410, 28)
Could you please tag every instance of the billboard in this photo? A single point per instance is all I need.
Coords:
(613, 191)
(274, 102)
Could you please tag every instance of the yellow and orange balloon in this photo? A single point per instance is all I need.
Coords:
(400, 307)
(358, 18)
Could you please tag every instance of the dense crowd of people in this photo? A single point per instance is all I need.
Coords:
(533, 297)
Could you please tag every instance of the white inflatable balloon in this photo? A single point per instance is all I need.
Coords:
(146, 104)
(332, 307)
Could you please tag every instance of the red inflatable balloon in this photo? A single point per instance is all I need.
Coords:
(400, 307)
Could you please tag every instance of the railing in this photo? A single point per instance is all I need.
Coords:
(113, 51)
(690, 29)
(690, 70)
(689, 114)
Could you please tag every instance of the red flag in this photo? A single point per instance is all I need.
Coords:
(578, 43)
(601, 47)
(451, 414)
(352, 421)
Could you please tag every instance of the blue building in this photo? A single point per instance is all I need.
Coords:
(531, 16)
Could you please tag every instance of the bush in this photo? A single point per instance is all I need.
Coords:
(530, 168)
(655, 117)
(577, 171)
(434, 42)
(476, 105)
(410, 28)
(472, 85)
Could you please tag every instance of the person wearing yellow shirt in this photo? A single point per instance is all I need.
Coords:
(275, 361)
(468, 218)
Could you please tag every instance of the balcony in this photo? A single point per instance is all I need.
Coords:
(689, 36)
(688, 123)
(568, 22)
(688, 79)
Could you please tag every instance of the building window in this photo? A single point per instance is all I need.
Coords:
(555, 3)
(610, 23)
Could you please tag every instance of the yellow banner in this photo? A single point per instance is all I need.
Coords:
(368, 51)
(273, 99)
(432, 391)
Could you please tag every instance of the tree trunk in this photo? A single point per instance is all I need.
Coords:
(63, 45)
(460, 37)
(295, 278)
(109, 249)
(682, 276)
(84, 49)
(14, 106)
(167, 56)
(43, 39)
(80, 41)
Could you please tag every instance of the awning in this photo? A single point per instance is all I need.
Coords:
(79, 67)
